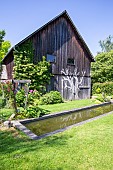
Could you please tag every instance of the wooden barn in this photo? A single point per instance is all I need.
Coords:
(62, 45)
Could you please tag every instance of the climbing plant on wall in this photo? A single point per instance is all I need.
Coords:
(24, 68)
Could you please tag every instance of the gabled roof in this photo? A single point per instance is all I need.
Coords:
(65, 14)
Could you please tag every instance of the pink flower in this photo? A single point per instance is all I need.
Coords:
(31, 91)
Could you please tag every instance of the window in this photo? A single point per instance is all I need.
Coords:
(51, 58)
(70, 61)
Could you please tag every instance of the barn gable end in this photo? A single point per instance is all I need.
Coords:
(59, 39)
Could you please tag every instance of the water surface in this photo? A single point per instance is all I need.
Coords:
(40, 127)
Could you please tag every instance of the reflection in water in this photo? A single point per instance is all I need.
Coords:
(44, 126)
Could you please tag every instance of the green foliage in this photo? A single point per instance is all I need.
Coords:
(41, 75)
(4, 45)
(51, 98)
(32, 98)
(2, 35)
(7, 94)
(102, 69)
(24, 68)
(106, 45)
(106, 88)
(4, 49)
(20, 98)
(2, 103)
(7, 89)
(1, 92)
(30, 112)
(32, 109)
(5, 113)
(102, 98)
(98, 90)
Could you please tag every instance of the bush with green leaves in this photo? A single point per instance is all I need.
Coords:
(20, 98)
(7, 88)
(102, 97)
(7, 94)
(30, 112)
(2, 102)
(33, 95)
(51, 98)
(106, 88)
(102, 69)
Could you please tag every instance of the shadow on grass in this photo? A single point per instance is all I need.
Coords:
(10, 143)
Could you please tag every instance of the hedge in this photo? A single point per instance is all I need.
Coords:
(106, 87)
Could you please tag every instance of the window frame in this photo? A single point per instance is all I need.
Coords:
(50, 55)
(70, 63)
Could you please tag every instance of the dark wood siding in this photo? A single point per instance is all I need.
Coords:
(59, 39)
(9, 62)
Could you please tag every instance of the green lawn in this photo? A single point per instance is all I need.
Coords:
(6, 113)
(52, 108)
(86, 147)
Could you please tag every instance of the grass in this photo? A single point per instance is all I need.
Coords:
(86, 147)
(52, 108)
(5, 113)
(47, 109)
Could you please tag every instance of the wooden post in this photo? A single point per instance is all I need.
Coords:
(15, 106)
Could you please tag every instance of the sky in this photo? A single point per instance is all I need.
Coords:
(92, 18)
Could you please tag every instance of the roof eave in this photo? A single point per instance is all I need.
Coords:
(8, 53)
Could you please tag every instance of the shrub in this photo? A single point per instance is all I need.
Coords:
(102, 98)
(33, 97)
(30, 112)
(51, 98)
(106, 88)
(2, 102)
(98, 90)
(6, 91)
(20, 98)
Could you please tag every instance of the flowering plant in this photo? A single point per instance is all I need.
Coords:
(7, 88)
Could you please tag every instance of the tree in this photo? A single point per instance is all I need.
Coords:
(107, 44)
(102, 69)
(2, 35)
(4, 47)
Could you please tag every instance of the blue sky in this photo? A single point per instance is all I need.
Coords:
(93, 18)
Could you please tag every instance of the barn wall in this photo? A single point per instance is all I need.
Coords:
(59, 39)
(58, 84)
(9, 62)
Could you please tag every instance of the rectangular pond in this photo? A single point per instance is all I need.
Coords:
(50, 123)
